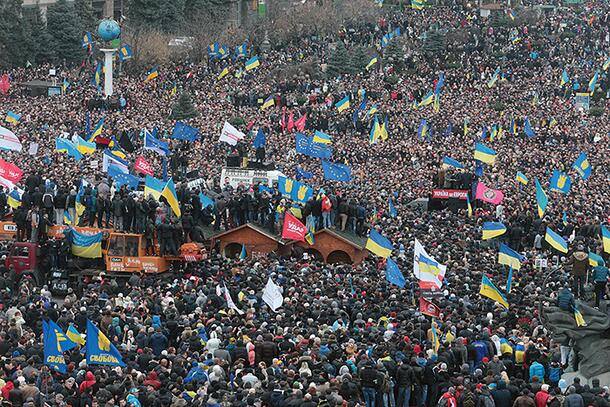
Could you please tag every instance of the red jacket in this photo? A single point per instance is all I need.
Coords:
(541, 398)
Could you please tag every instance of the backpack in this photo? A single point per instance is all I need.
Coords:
(468, 399)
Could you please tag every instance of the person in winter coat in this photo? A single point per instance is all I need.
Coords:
(580, 267)
(88, 383)
(501, 395)
(536, 369)
(152, 381)
(573, 399)
(158, 342)
(542, 396)
(524, 400)
(448, 398)
(404, 382)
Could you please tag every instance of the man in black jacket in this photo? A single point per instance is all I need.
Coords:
(368, 382)
(404, 381)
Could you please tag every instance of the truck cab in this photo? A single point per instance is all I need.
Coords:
(23, 258)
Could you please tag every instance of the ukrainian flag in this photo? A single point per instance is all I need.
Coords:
(252, 63)
(12, 117)
(580, 320)
(97, 131)
(243, 254)
(268, 102)
(153, 186)
(67, 218)
(605, 238)
(564, 77)
(87, 40)
(309, 237)
(582, 166)
(469, 206)
(152, 74)
(321, 137)
(384, 129)
(509, 257)
(494, 78)
(606, 65)
(493, 229)
(375, 131)
(489, 290)
(224, 73)
(422, 131)
(465, 126)
(428, 99)
(343, 104)
(372, 110)
(74, 335)
(521, 178)
(418, 4)
(372, 62)
(595, 260)
(484, 154)
(593, 82)
(85, 147)
(556, 241)
(428, 266)
(169, 193)
(379, 244)
(88, 246)
(14, 199)
(63, 145)
(541, 199)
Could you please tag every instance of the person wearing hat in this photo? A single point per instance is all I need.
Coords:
(600, 278)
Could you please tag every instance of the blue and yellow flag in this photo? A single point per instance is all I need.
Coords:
(541, 199)
(252, 63)
(593, 82)
(580, 320)
(63, 145)
(418, 4)
(74, 335)
(379, 244)
(85, 147)
(14, 199)
(270, 101)
(64, 343)
(469, 205)
(152, 73)
(427, 100)
(343, 104)
(450, 162)
(53, 354)
(494, 78)
(484, 154)
(243, 254)
(391, 208)
(87, 246)
(222, 74)
(527, 128)
(321, 137)
(375, 133)
(68, 218)
(509, 257)
(560, 182)
(556, 241)
(493, 229)
(564, 77)
(372, 62)
(169, 193)
(12, 117)
(423, 129)
(97, 131)
(99, 349)
(521, 178)
(582, 166)
(87, 40)
(153, 186)
(605, 238)
(489, 290)
(596, 260)
(125, 53)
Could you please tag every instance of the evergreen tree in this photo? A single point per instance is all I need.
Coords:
(13, 40)
(434, 43)
(172, 15)
(196, 8)
(146, 13)
(84, 10)
(65, 35)
(40, 40)
(361, 56)
(340, 62)
(183, 108)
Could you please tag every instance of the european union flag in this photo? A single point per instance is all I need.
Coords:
(260, 140)
(336, 172)
(152, 143)
(393, 274)
(99, 349)
(121, 179)
(185, 132)
(302, 174)
(305, 145)
(302, 143)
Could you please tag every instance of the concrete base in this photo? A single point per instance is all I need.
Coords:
(604, 379)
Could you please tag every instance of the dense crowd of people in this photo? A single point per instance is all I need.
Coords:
(344, 335)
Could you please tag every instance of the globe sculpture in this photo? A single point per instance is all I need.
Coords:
(108, 30)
